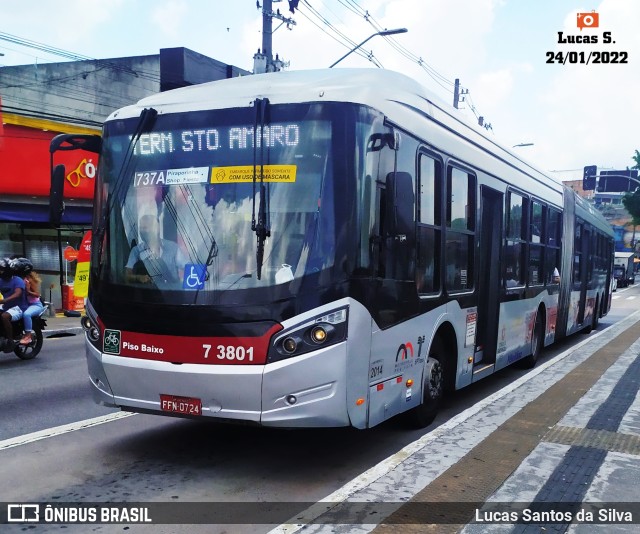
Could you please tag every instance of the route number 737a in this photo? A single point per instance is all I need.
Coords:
(229, 352)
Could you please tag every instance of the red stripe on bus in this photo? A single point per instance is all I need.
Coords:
(198, 350)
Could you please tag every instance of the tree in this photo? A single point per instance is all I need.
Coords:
(631, 201)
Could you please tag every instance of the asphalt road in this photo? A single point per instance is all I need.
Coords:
(152, 458)
(50, 390)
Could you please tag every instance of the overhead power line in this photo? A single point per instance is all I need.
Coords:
(74, 56)
(441, 80)
(333, 32)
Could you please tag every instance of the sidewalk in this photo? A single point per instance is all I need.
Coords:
(558, 450)
(62, 325)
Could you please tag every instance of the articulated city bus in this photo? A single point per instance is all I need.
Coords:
(323, 248)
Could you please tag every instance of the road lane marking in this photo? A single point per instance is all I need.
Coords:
(62, 429)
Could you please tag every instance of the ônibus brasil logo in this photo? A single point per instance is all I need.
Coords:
(112, 341)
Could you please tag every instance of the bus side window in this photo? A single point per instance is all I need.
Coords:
(536, 248)
(429, 228)
(460, 231)
(515, 244)
(552, 246)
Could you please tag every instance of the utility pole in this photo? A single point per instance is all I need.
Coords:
(458, 94)
(263, 60)
(267, 31)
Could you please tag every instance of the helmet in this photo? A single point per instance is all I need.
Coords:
(21, 266)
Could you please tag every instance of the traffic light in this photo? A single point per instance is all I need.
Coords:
(589, 177)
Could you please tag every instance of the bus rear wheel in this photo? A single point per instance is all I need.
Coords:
(433, 388)
(595, 319)
(537, 342)
(596, 315)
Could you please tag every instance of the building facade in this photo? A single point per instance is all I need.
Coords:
(38, 102)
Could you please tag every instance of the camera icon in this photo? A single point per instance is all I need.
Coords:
(23, 513)
(588, 20)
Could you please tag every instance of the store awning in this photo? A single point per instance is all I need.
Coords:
(21, 213)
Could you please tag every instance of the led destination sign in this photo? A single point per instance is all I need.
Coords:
(193, 175)
(212, 139)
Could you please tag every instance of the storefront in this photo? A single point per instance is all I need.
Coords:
(24, 202)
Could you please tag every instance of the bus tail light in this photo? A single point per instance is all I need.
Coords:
(321, 331)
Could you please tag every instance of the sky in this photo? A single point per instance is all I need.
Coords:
(572, 114)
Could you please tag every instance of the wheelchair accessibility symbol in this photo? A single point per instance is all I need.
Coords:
(194, 276)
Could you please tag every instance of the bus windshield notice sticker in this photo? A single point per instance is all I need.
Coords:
(191, 175)
(245, 173)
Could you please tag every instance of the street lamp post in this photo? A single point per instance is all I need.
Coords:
(383, 33)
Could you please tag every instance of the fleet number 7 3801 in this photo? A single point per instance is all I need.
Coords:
(229, 352)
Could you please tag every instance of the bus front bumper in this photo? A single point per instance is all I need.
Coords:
(306, 391)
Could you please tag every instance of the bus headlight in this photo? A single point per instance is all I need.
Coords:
(318, 335)
(91, 326)
(94, 333)
(321, 331)
(289, 345)
(85, 322)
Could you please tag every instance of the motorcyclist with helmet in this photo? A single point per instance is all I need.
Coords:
(13, 301)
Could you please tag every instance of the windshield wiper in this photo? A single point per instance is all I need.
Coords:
(145, 124)
(261, 226)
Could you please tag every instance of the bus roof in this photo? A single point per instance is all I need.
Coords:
(365, 86)
(390, 92)
(400, 98)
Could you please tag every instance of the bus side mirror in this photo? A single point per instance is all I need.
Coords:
(91, 143)
(56, 195)
(66, 142)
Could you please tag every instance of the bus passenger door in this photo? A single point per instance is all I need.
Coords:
(491, 210)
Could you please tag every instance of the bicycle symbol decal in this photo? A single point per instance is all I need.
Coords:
(194, 276)
(112, 341)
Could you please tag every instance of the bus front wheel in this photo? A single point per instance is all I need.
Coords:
(433, 388)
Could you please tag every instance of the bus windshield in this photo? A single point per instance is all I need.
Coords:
(178, 205)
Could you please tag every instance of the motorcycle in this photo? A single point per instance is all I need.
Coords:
(31, 350)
